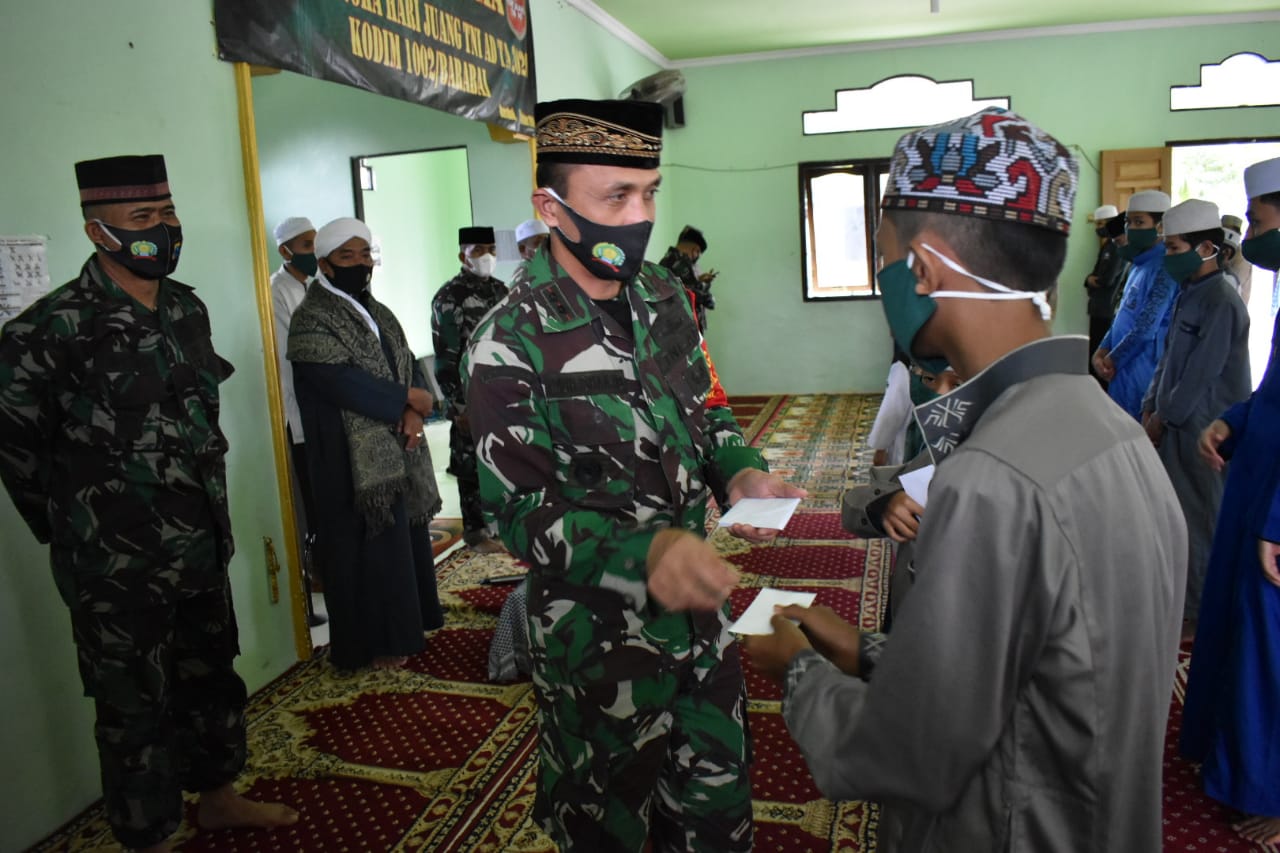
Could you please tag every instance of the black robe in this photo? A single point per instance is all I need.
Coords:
(380, 592)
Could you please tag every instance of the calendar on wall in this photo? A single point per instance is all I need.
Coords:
(24, 274)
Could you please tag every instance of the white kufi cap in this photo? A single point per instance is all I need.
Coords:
(1149, 201)
(530, 228)
(292, 227)
(1262, 178)
(1107, 211)
(339, 231)
(1191, 216)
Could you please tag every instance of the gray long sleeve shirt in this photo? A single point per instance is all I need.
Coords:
(1205, 366)
(1020, 702)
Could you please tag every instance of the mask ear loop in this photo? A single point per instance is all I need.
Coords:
(107, 231)
(1003, 294)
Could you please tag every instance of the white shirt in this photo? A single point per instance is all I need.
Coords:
(889, 432)
(286, 296)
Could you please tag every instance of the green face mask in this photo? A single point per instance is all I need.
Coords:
(1263, 250)
(907, 311)
(1183, 265)
(1140, 239)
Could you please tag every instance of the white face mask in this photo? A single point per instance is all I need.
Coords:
(1002, 292)
(484, 265)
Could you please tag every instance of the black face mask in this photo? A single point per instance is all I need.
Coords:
(304, 263)
(1101, 231)
(612, 252)
(151, 253)
(352, 280)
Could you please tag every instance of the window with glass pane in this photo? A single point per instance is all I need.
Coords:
(839, 209)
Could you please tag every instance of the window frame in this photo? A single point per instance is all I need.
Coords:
(872, 170)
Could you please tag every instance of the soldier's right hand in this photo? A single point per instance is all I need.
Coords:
(686, 573)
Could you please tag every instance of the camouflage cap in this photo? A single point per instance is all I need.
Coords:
(993, 164)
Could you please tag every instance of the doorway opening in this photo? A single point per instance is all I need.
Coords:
(414, 202)
(1214, 171)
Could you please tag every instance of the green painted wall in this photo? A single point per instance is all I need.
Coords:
(142, 79)
(308, 130)
(415, 211)
(731, 170)
(141, 76)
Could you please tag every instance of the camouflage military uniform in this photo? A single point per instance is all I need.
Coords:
(111, 451)
(456, 310)
(592, 438)
(682, 268)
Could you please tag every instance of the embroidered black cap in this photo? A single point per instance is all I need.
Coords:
(602, 133)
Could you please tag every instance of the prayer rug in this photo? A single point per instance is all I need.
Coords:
(1193, 821)
(434, 757)
(444, 532)
(755, 413)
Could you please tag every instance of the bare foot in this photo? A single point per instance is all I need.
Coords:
(390, 662)
(488, 545)
(1261, 830)
(225, 808)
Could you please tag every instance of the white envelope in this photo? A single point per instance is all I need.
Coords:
(768, 513)
(755, 619)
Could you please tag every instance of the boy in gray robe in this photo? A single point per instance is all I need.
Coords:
(1020, 702)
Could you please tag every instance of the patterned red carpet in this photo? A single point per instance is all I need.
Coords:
(444, 532)
(434, 757)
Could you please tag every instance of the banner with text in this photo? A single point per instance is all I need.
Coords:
(473, 58)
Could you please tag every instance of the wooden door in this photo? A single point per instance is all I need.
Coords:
(1129, 170)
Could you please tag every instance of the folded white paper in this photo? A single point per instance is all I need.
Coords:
(755, 620)
(916, 484)
(767, 513)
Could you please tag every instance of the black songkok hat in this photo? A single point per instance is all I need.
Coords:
(693, 235)
(600, 133)
(113, 180)
(476, 235)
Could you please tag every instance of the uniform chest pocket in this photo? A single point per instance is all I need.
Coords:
(1192, 329)
(129, 396)
(593, 437)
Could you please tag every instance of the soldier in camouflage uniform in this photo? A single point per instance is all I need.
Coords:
(456, 310)
(111, 451)
(680, 259)
(588, 394)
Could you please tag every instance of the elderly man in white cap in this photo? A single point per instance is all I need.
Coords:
(1204, 371)
(1233, 692)
(296, 243)
(1108, 275)
(1238, 269)
(1129, 352)
(363, 399)
(530, 235)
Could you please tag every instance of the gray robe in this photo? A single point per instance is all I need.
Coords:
(861, 510)
(1204, 371)
(1020, 702)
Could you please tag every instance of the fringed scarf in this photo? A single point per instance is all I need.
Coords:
(326, 329)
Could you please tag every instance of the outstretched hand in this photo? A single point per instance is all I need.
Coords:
(771, 654)
(754, 483)
(686, 573)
